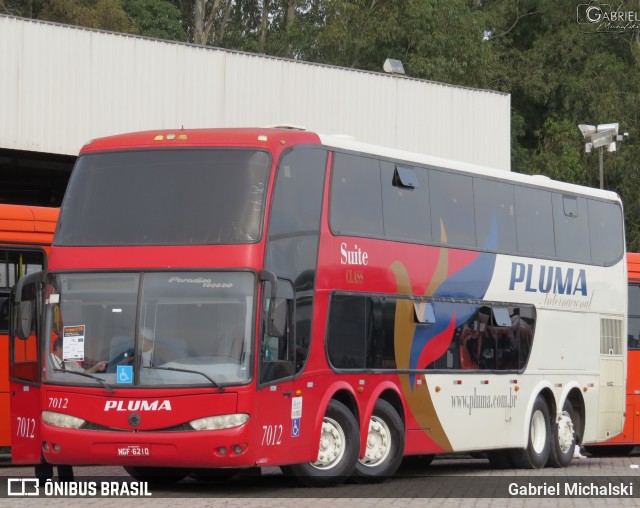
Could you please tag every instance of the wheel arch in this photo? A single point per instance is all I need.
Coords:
(343, 393)
(388, 392)
(574, 396)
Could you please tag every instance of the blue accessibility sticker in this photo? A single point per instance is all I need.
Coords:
(124, 374)
(295, 427)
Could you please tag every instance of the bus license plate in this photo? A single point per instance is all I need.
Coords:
(133, 451)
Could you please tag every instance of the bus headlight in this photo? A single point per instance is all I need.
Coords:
(220, 422)
(61, 420)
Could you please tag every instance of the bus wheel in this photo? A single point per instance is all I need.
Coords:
(337, 452)
(563, 440)
(385, 445)
(157, 474)
(535, 455)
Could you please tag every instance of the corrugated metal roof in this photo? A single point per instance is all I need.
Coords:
(64, 85)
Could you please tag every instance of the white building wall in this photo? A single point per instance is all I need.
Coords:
(61, 86)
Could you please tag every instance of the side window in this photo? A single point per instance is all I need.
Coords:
(356, 196)
(276, 344)
(360, 333)
(346, 332)
(494, 201)
(452, 214)
(492, 338)
(571, 227)
(405, 196)
(605, 231)
(294, 227)
(13, 265)
(633, 332)
(534, 222)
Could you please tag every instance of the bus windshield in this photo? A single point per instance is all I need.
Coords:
(165, 197)
(188, 329)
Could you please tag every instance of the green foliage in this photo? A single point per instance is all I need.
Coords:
(156, 18)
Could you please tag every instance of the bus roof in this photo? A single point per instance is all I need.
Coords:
(22, 224)
(279, 138)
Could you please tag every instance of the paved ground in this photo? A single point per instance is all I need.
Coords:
(448, 482)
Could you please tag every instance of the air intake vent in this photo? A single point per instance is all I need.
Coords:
(610, 336)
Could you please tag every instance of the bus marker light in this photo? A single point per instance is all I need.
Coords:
(437, 389)
(360, 389)
(310, 384)
(182, 137)
(558, 385)
(457, 381)
(514, 381)
(262, 138)
(484, 382)
(298, 393)
(159, 137)
(171, 137)
(585, 389)
(516, 388)
(418, 381)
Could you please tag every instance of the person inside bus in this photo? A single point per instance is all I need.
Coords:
(148, 338)
(60, 364)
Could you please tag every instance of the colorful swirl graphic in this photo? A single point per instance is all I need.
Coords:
(417, 345)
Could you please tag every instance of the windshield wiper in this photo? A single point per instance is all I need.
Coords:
(216, 385)
(91, 376)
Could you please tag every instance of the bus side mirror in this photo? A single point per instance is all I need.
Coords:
(24, 319)
(277, 318)
(24, 304)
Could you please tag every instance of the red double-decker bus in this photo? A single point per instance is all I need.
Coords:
(26, 233)
(629, 438)
(229, 298)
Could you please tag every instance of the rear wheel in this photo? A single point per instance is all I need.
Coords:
(563, 439)
(337, 452)
(535, 455)
(385, 445)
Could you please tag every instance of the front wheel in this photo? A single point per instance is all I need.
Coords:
(337, 451)
(563, 440)
(385, 445)
(535, 455)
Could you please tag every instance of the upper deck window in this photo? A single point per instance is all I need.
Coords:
(165, 197)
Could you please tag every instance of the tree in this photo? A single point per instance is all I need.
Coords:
(156, 18)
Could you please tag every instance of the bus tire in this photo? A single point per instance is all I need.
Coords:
(385, 445)
(157, 475)
(563, 439)
(337, 451)
(536, 454)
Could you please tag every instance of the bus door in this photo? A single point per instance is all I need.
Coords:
(24, 370)
(277, 407)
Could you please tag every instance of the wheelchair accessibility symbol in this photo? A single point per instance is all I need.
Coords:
(295, 427)
(124, 374)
